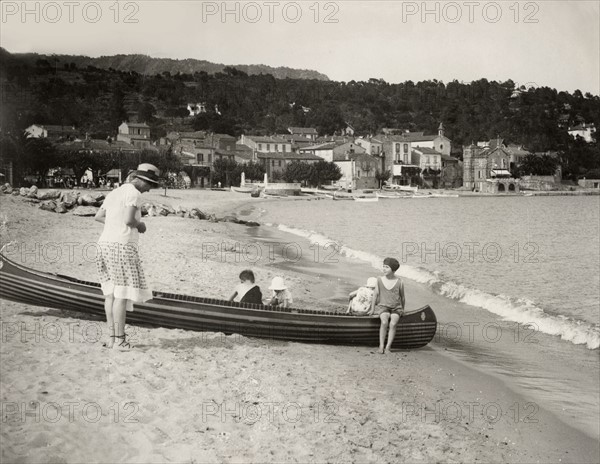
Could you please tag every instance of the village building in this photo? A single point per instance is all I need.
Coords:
(309, 133)
(404, 163)
(200, 150)
(452, 173)
(487, 169)
(136, 134)
(51, 131)
(276, 162)
(426, 159)
(322, 150)
(439, 142)
(589, 183)
(196, 108)
(584, 131)
(372, 145)
(397, 159)
(348, 130)
(261, 144)
(358, 170)
(332, 150)
(297, 141)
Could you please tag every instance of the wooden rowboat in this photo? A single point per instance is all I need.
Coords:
(387, 195)
(243, 189)
(21, 284)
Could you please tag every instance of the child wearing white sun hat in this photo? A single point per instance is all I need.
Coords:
(361, 299)
(281, 295)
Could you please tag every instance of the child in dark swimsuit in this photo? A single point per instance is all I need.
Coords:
(388, 303)
(247, 291)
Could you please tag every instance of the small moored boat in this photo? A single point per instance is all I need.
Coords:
(243, 189)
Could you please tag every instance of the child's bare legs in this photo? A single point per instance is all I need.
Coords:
(383, 330)
(110, 321)
(394, 318)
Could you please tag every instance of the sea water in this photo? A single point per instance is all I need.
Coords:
(520, 275)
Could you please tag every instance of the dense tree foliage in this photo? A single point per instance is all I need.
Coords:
(97, 101)
(36, 156)
(229, 172)
(543, 165)
(297, 171)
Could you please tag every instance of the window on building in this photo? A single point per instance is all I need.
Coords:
(441, 146)
(200, 157)
(405, 159)
(210, 158)
(397, 148)
(406, 148)
(260, 147)
(268, 147)
(279, 163)
(357, 173)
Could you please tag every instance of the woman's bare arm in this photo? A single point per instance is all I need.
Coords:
(100, 215)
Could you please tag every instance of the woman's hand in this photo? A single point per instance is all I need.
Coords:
(141, 227)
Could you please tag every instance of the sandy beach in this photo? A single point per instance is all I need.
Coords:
(198, 397)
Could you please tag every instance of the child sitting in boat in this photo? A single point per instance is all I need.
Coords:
(281, 295)
(247, 291)
(362, 299)
(388, 303)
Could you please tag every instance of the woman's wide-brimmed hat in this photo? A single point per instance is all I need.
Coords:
(277, 284)
(372, 282)
(147, 172)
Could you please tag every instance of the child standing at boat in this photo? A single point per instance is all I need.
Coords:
(247, 291)
(361, 300)
(281, 295)
(388, 303)
(119, 267)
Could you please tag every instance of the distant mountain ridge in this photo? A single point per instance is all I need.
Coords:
(144, 64)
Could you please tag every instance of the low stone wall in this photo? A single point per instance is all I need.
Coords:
(589, 183)
(542, 183)
(283, 189)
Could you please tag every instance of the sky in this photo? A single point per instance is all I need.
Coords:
(541, 43)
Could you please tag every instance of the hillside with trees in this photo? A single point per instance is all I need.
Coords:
(61, 90)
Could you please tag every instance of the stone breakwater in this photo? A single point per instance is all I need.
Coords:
(87, 204)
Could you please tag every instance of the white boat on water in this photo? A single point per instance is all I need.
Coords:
(435, 195)
(401, 188)
(387, 195)
(245, 189)
(367, 200)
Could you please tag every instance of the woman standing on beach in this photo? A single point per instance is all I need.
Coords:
(121, 276)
